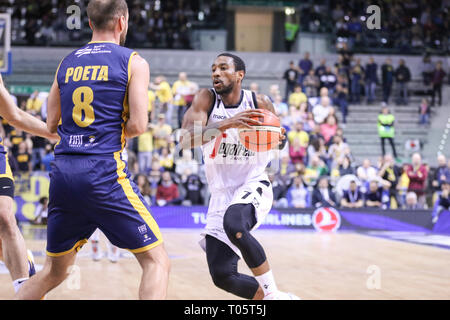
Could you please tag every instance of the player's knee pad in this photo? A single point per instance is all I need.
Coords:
(238, 220)
(223, 277)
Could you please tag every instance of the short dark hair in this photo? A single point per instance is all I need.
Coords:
(239, 64)
(103, 13)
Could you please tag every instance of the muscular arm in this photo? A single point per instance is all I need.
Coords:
(197, 132)
(53, 107)
(19, 118)
(137, 97)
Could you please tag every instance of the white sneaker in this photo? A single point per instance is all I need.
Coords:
(279, 295)
(97, 256)
(113, 257)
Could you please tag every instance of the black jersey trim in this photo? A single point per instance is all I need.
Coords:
(212, 104)
(235, 105)
(255, 102)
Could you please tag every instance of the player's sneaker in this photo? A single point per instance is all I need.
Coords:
(113, 256)
(279, 295)
(31, 268)
(97, 255)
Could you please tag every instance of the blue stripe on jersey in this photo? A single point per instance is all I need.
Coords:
(93, 84)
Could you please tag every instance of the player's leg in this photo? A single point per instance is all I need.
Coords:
(239, 220)
(14, 252)
(155, 266)
(54, 272)
(113, 252)
(223, 266)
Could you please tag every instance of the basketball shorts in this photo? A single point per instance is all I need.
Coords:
(6, 177)
(257, 192)
(95, 191)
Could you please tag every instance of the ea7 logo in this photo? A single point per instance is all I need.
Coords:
(374, 20)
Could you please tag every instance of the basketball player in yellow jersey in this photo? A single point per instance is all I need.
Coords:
(100, 96)
(241, 193)
(12, 245)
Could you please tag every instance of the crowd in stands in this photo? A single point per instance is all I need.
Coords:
(406, 26)
(152, 24)
(316, 167)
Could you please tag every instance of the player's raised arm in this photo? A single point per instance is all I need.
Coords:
(138, 97)
(19, 118)
(197, 132)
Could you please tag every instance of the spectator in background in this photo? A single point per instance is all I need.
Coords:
(417, 174)
(291, 76)
(144, 187)
(391, 173)
(274, 91)
(315, 170)
(328, 80)
(281, 108)
(164, 97)
(297, 97)
(297, 152)
(185, 165)
(166, 159)
(441, 174)
(437, 79)
(387, 76)
(345, 166)
(183, 92)
(304, 66)
(337, 151)
(386, 129)
(254, 87)
(299, 134)
(341, 97)
(427, 69)
(311, 84)
(373, 197)
(322, 195)
(366, 173)
(424, 112)
(329, 128)
(443, 201)
(48, 158)
(371, 80)
(145, 150)
(298, 195)
(167, 191)
(411, 201)
(321, 68)
(193, 186)
(160, 132)
(34, 103)
(24, 158)
(356, 77)
(402, 77)
(41, 212)
(353, 197)
(309, 122)
(38, 150)
(322, 110)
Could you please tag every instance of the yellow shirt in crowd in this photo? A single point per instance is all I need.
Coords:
(151, 100)
(145, 141)
(163, 132)
(302, 136)
(164, 93)
(297, 98)
(34, 104)
(179, 89)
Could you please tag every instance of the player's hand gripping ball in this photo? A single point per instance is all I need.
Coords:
(265, 136)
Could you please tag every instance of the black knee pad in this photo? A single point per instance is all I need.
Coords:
(222, 276)
(238, 219)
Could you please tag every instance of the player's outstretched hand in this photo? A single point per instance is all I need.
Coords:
(244, 120)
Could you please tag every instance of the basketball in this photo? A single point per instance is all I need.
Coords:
(263, 137)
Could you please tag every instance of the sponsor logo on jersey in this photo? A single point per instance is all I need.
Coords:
(326, 219)
(218, 116)
(235, 150)
(75, 141)
(91, 50)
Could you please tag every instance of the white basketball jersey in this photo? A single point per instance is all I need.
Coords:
(228, 164)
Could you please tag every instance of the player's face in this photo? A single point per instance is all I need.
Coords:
(224, 75)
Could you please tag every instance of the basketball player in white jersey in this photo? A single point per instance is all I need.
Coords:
(241, 194)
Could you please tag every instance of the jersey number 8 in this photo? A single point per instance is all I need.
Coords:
(82, 98)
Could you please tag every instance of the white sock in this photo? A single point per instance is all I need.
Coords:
(18, 283)
(267, 282)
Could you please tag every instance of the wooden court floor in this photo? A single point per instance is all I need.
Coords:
(311, 265)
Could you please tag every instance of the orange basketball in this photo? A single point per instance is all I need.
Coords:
(263, 137)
